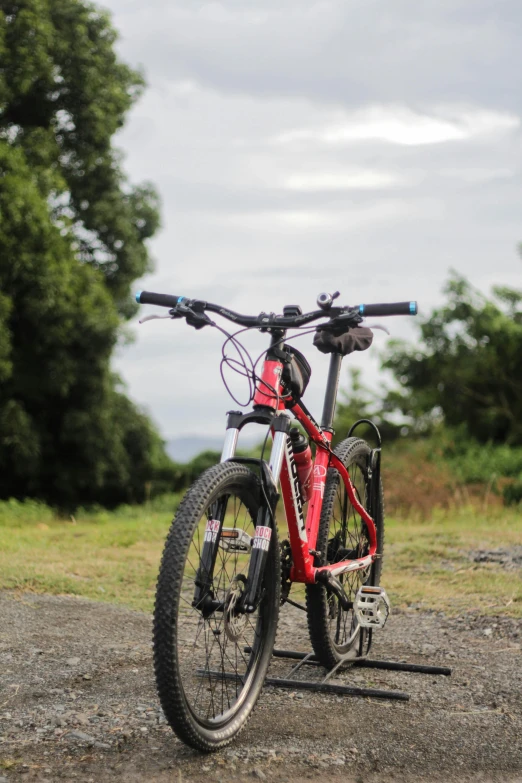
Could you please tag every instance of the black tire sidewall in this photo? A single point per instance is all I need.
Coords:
(214, 482)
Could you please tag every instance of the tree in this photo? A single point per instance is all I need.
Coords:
(360, 402)
(71, 241)
(63, 95)
(467, 368)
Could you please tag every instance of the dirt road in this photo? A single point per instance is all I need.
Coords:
(77, 702)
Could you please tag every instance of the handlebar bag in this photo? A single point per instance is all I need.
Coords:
(296, 372)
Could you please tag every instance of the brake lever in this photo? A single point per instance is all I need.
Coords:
(153, 318)
(377, 326)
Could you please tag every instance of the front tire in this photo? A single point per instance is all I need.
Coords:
(207, 683)
(335, 633)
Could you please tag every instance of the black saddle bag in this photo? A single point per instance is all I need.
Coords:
(357, 339)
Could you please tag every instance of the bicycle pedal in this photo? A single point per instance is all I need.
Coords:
(371, 606)
(234, 539)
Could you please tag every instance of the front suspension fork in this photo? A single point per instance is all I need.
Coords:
(256, 567)
(203, 592)
(265, 521)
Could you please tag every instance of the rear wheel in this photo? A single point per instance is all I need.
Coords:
(335, 633)
(207, 682)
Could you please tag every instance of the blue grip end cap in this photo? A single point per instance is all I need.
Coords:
(413, 308)
(138, 297)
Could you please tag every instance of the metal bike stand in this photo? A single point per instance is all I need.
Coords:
(321, 687)
(309, 659)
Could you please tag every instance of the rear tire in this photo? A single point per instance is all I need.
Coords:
(207, 711)
(335, 634)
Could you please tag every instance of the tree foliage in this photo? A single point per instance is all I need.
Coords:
(63, 95)
(72, 235)
(360, 402)
(466, 369)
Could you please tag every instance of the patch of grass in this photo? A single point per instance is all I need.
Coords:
(114, 556)
(9, 763)
(427, 563)
(106, 556)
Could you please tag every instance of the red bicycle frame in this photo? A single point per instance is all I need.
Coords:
(303, 533)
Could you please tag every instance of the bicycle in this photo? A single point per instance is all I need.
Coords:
(223, 573)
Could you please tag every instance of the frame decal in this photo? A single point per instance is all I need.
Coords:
(296, 491)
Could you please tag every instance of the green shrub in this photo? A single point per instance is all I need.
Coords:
(512, 493)
(14, 513)
(486, 463)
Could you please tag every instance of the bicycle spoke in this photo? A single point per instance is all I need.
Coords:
(347, 538)
(209, 650)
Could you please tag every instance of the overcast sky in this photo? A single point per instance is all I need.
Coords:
(360, 145)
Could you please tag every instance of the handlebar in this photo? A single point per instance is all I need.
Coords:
(390, 308)
(184, 306)
(163, 300)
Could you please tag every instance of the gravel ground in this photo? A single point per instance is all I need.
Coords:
(77, 702)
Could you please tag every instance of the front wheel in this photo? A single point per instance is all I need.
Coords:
(334, 632)
(210, 663)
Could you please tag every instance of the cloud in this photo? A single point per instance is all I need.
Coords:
(351, 179)
(300, 147)
(400, 125)
(342, 52)
(311, 221)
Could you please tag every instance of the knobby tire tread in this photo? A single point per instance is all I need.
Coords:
(169, 690)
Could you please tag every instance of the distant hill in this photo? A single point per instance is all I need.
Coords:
(189, 446)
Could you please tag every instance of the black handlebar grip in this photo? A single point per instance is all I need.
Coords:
(390, 308)
(164, 300)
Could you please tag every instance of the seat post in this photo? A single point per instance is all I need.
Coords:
(330, 396)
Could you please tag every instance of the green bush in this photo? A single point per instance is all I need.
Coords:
(16, 512)
(472, 462)
(512, 493)
(183, 476)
